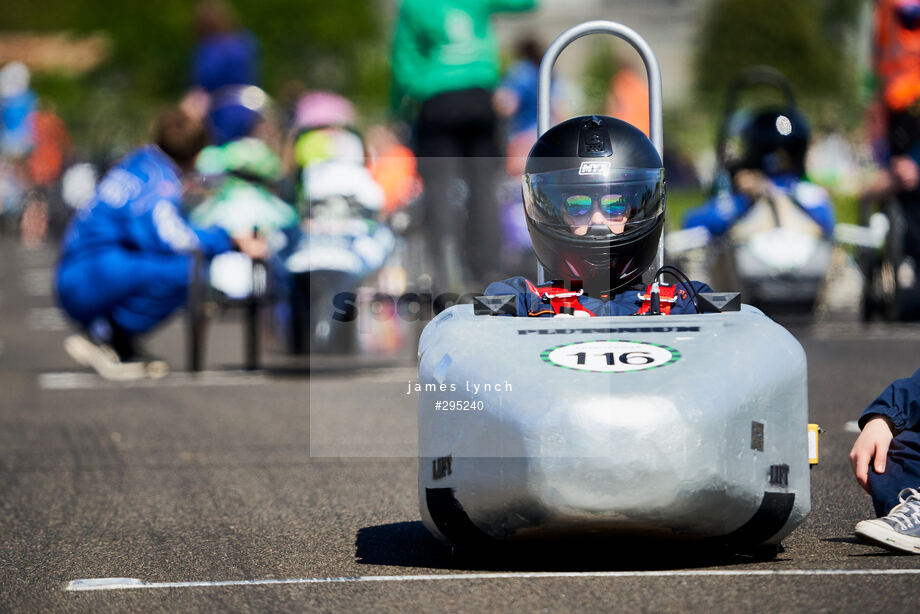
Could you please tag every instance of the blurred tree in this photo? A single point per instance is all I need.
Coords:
(334, 45)
(810, 42)
(600, 67)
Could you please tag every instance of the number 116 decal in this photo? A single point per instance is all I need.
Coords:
(615, 356)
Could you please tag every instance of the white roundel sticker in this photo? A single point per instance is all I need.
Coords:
(614, 356)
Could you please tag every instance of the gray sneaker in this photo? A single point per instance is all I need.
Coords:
(104, 360)
(900, 529)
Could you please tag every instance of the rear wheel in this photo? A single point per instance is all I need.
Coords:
(882, 294)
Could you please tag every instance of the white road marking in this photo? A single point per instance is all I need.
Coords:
(114, 584)
(851, 427)
(87, 380)
(82, 380)
(46, 319)
(36, 257)
(38, 282)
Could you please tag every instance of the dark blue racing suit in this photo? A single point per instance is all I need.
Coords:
(530, 301)
(900, 403)
(126, 257)
(226, 59)
(721, 211)
(221, 61)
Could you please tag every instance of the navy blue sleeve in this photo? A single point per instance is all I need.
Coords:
(816, 202)
(900, 403)
(718, 213)
(684, 302)
(513, 285)
(213, 240)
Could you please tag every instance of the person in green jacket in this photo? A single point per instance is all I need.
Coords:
(445, 65)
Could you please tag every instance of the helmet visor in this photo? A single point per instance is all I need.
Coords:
(625, 200)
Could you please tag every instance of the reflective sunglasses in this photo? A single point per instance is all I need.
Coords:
(610, 205)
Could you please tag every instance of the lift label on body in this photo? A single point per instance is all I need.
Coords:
(612, 356)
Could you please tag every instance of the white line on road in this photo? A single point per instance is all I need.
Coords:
(46, 319)
(114, 584)
(38, 282)
(85, 380)
(81, 380)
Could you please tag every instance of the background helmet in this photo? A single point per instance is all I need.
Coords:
(908, 14)
(903, 132)
(323, 109)
(594, 198)
(14, 79)
(773, 140)
(236, 111)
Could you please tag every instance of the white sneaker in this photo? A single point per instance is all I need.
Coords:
(104, 360)
(900, 529)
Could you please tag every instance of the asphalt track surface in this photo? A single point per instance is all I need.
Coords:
(191, 482)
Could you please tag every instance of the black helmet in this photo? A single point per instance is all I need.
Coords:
(903, 131)
(594, 196)
(773, 140)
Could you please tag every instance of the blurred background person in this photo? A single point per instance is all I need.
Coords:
(394, 167)
(326, 146)
(627, 98)
(515, 101)
(896, 185)
(346, 241)
(445, 65)
(896, 66)
(516, 96)
(17, 104)
(225, 53)
(127, 259)
(769, 165)
(45, 212)
(243, 169)
(226, 56)
(35, 145)
(17, 138)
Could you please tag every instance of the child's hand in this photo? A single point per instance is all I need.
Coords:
(254, 247)
(872, 443)
(906, 172)
(751, 183)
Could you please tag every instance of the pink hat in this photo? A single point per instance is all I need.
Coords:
(323, 109)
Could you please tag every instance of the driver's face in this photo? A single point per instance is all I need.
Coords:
(616, 224)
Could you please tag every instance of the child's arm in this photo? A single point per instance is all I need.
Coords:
(895, 410)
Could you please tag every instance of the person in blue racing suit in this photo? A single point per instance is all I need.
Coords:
(765, 159)
(225, 62)
(886, 461)
(127, 258)
(594, 199)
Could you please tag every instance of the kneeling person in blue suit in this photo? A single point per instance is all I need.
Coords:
(127, 258)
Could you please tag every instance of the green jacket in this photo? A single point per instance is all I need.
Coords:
(446, 45)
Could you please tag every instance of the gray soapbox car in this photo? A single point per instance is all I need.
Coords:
(677, 426)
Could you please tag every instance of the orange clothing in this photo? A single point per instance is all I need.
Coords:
(395, 172)
(52, 144)
(628, 99)
(896, 57)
